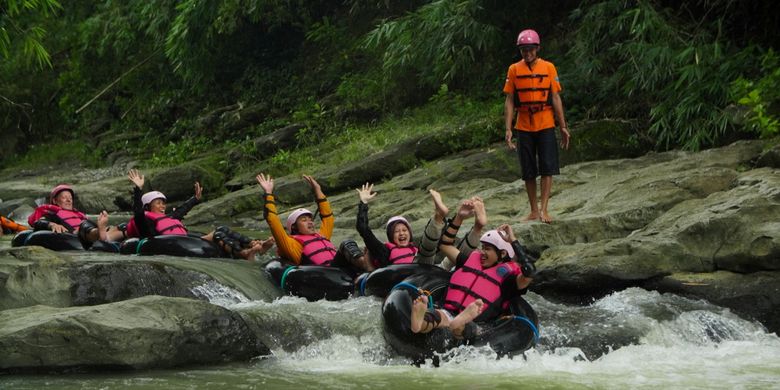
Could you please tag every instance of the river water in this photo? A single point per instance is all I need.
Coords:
(630, 339)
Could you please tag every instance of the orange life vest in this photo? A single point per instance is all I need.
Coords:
(533, 90)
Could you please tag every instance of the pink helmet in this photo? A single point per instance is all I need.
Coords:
(528, 37)
(391, 225)
(150, 196)
(293, 217)
(62, 187)
(495, 238)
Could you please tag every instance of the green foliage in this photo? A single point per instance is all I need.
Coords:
(637, 55)
(74, 153)
(440, 42)
(175, 153)
(19, 21)
(761, 96)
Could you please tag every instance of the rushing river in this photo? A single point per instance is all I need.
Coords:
(630, 339)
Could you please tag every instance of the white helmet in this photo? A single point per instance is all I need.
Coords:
(391, 225)
(495, 238)
(150, 196)
(294, 217)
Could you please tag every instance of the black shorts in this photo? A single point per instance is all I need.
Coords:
(541, 145)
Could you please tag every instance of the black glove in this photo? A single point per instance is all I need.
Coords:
(528, 268)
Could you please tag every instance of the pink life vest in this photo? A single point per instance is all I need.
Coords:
(400, 254)
(317, 249)
(165, 224)
(71, 218)
(471, 282)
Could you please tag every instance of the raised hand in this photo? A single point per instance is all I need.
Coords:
(365, 193)
(505, 231)
(266, 183)
(315, 187)
(136, 177)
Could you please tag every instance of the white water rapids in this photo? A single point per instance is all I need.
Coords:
(630, 339)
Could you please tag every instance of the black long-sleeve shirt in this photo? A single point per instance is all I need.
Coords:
(145, 226)
(380, 254)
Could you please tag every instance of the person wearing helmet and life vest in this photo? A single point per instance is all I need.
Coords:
(401, 249)
(61, 216)
(150, 219)
(300, 243)
(533, 91)
(481, 283)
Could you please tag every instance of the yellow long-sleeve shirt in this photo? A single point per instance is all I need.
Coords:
(288, 247)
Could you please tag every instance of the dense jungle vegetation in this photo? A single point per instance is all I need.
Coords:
(167, 80)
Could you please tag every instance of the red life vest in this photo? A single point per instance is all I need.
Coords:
(165, 224)
(317, 249)
(400, 254)
(471, 282)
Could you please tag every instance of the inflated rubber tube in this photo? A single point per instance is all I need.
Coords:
(172, 245)
(396, 315)
(507, 336)
(311, 282)
(48, 239)
(106, 246)
(381, 281)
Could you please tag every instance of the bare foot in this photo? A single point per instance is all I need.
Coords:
(268, 244)
(440, 208)
(256, 248)
(480, 214)
(102, 225)
(467, 315)
(419, 306)
(532, 216)
(546, 218)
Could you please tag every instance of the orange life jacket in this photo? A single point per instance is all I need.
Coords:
(533, 90)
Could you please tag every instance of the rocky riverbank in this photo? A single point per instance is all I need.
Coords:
(704, 225)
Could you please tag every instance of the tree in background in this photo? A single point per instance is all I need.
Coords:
(669, 68)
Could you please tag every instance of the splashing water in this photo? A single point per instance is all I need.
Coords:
(630, 339)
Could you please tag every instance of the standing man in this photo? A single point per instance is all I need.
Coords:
(532, 88)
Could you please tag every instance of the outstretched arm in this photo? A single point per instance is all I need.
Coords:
(378, 251)
(289, 248)
(326, 214)
(447, 240)
(185, 207)
(528, 269)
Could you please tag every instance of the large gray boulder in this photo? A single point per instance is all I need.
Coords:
(37, 276)
(148, 332)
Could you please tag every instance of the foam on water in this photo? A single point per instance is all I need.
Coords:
(643, 340)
